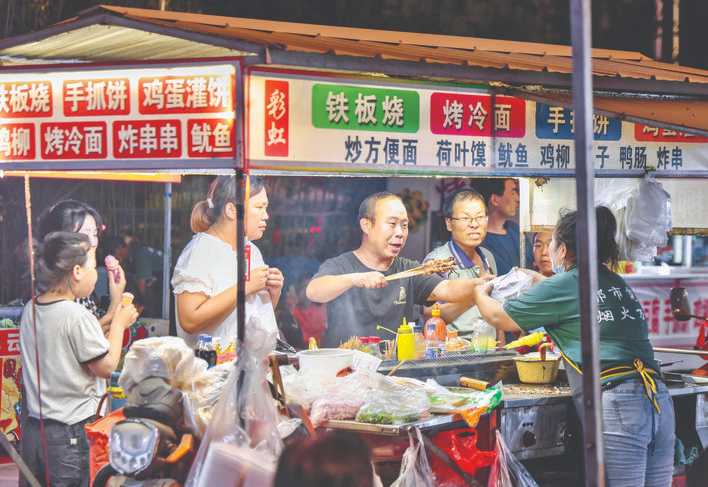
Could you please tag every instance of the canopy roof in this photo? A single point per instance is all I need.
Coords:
(110, 33)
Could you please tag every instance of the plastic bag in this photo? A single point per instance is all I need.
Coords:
(511, 285)
(204, 394)
(415, 469)
(242, 440)
(168, 357)
(507, 471)
(614, 193)
(648, 216)
(391, 403)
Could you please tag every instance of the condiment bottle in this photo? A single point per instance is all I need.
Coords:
(419, 342)
(436, 327)
(405, 342)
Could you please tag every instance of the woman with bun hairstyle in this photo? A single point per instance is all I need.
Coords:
(65, 341)
(637, 410)
(77, 216)
(204, 279)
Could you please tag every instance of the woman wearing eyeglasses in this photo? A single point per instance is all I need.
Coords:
(466, 219)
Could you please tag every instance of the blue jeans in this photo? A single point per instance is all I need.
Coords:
(639, 442)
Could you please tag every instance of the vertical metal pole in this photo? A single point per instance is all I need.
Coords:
(239, 101)
(167, 252)
(241, 257)
(580, 26)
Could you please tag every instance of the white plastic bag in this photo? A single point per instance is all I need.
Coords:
(648, 216)
(415, 469)
(171, 355)
(244, 425)
(507, 471)
(511, 285)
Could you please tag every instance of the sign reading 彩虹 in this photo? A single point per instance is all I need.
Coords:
(297, 119)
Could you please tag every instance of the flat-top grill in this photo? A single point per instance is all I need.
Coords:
(447, 369)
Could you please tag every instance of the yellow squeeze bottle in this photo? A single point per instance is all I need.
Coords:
(405, 342)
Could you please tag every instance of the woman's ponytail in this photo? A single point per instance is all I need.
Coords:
(200, 221)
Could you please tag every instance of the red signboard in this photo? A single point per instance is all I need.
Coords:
(473, 115)
(73, 140)
(96, 97)
(277, 123)
(147, 139)
(17, 142)
(185, 94)
(210, 137)
(645, 133)
(24, 99)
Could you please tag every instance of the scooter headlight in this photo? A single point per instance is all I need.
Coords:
(133, 445)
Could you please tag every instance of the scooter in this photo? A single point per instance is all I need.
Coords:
(151, 446)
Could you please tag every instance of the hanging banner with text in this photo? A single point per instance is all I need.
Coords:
(146, 113)
(664, 330)
(307, 120)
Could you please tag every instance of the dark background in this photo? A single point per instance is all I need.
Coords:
(617, 24)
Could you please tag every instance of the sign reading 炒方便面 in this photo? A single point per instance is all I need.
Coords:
(354, 124)
(92, 114)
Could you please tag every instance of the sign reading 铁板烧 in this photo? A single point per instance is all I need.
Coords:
(352, 124)
(125, 114)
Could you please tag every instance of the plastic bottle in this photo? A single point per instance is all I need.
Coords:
(435, 331)
(419, 342)
(206, 350)
(405, 342)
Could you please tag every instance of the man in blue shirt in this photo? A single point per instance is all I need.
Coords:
(503, 234)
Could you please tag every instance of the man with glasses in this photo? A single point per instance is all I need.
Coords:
(466, 219)
(503, 234)
(354, 284)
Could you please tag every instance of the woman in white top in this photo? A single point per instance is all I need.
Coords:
(204, 279)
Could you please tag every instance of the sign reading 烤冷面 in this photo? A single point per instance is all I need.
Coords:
(132, 113)
(353, 124)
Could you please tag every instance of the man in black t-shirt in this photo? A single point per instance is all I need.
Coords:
(354, 287)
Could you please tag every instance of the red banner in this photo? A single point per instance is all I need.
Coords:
(24, 99)
(277, 123)
(147, 139)
(185, 94)
(210, 137)
(17, 142)
(73, 140)
(96, 97)
(472, 115)
(645, 133)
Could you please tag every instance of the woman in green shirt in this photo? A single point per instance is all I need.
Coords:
(638, 415)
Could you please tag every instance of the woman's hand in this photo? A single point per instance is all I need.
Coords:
(274, 283)
(116, 289)
(536, 276)
(258, 280)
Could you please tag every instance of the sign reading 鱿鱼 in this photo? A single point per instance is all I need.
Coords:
(132, 113)
(353, 124)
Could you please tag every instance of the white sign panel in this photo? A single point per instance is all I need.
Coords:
(356, 124)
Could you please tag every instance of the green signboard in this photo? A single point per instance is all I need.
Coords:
(351, 107)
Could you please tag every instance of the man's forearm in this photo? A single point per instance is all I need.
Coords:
(328, 288)
(455, 291)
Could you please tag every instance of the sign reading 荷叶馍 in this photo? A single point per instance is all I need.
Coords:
(314, 119)
(184, 112)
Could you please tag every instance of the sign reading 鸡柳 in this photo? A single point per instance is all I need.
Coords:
(313, 120)
(183, 112)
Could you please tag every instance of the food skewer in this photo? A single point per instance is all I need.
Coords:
(436, 266)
